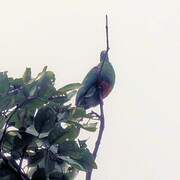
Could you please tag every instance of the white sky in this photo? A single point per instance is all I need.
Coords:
(142, 135)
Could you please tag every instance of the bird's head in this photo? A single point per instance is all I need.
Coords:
(104, 56)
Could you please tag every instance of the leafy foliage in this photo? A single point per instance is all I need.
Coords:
(40, 129)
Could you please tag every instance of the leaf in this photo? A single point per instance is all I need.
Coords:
(2, 121)
(45, 84)
(89, 126)
(32, 130)
(71, 94)
(20, 143)
(69, 87)
(49, 163)
(69, 148)
(44, 119)
(79, 112)
(34, 105)
(8, 142)
(72, 162)
(19, 98)
(27, 75)
(4, 83)
(6, 102)
(55, 134)
(80, 155)
(35, 159)
(86, 160)
(16, 120)
(39, 174)
(82, 143)
(60, 135)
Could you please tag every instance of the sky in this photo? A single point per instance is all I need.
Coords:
(141, 137)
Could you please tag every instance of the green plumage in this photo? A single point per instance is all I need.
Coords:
(99, 80)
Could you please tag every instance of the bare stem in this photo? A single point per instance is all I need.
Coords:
(107, 34)
(107, 45)
(98, 142)
(102, 120)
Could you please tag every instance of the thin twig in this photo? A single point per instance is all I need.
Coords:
(102, 120)
(107, 34)
(107, 45)
(101, 130)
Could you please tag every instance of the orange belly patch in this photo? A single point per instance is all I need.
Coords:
(106, 88)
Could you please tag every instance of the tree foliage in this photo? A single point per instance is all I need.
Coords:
(40, 128)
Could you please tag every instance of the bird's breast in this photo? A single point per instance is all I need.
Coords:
(106, 88)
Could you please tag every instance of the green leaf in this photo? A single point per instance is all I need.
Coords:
(8, 142)
(24, 139)
(72, 162)
(27, 75)
(4, 83)
(35, 159)
(45, 84)
(15, 119)
(86, 160)
(49, 163)
(80, 155)
(6, 102)
(89, 126)
(44, 119)
(2, 121)
(34, 105)
(69, 148)
(71, 94)
(55, 134)
(59, 135)
(82, 143)
(32, 130)
(42, 85)
(19, 98)
(69, 87)
(79, 112)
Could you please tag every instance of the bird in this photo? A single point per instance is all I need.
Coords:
(97, 84)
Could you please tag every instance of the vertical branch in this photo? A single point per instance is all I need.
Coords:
(101, 130)
(107, 45)
(102, 119)
(107, 34)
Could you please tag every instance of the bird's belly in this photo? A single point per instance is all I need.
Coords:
(106, 88)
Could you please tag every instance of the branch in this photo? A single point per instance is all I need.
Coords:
(102, 121)
(107, 45)
(101, 129)
(107, 34)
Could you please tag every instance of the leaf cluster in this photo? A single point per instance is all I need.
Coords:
(40, 129)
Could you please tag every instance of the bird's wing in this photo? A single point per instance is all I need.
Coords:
(91, 77)
(87, 85)
(108, 73)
